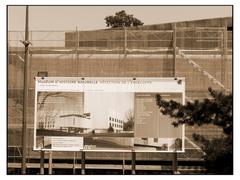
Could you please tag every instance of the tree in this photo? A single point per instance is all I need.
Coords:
(110, 129)
(216, 110)
(129, 125)
(121, 19)
(46, 116)
(43, 96)
(218, 154)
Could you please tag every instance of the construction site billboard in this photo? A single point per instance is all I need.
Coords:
(106, 114)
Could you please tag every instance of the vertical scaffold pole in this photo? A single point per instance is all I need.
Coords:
(174, 49)
(125, 40)
(25, 97)
(224, 54)
(76, 50)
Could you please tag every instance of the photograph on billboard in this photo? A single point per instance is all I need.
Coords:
(106, 114)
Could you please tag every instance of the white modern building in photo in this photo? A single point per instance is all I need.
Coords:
(116, 124)
(108, 109)
(74, 122)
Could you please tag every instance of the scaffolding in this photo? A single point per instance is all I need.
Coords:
(202, 55)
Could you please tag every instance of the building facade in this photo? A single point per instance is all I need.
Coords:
(116, 124)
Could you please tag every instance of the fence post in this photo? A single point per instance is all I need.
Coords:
(83, 163)
(50, 163)
(123, 165)
(41, 162)
(174, 163)
(74, 162)
(133, 162)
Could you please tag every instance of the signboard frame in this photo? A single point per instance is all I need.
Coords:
(83, 84)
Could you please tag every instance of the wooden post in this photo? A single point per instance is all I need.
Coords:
(50, 163)
(123, 165)
(83, 163)
(174, 163)
(133, 162)
(41, 162)
(174, 49)
(74, 162)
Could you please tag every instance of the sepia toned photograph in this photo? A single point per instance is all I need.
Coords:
(90, 115)
(119, 90)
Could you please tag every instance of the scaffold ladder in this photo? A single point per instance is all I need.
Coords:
(200, 69)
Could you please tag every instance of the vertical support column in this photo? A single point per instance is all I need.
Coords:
(50, 163)
(133, 162)
(74, 162)
(76, 51)
(83, 163)
(25, 97)
(123, 165)
(41, 162)
(174, 49)
(125, 40)
(183, 125)
(224, 55)
(174, 163)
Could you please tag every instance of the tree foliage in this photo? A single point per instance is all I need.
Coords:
(216, 110)
(121, 19)
(128, 126)
(218, 154)
(110, 129)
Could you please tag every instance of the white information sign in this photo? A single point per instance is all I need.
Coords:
(106, 114)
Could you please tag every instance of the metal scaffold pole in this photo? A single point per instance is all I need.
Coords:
(25, 96)
(125, 41)
(224, 54)
(174, 49)
(174, 160)
(76, 50)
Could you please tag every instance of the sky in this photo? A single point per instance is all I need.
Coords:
(103, 105)
(92, 17)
